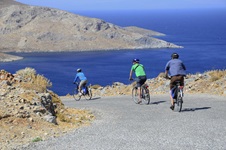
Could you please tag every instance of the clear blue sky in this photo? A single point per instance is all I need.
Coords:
(126, 4)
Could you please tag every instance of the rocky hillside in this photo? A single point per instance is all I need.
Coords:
(31, 28)
(29, 112)
(6, 3)
(210, 82)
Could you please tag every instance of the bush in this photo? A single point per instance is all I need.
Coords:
(31, 80)
(37, 139)
(26, 74)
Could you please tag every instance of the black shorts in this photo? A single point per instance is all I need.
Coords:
(141, 80)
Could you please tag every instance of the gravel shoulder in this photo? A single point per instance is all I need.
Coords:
(122, 124)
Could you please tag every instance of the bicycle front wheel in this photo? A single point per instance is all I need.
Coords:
(135, 95)
(146, 96)
(88, 96)
(76, 95)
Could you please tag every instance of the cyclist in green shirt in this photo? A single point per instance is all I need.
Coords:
(139, 71)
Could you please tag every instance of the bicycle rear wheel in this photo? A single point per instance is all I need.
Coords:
(76, 95)
(178, 103)
(135, 95)
(88, 96)
(146, 96)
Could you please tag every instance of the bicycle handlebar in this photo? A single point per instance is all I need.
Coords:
(167, 77)
(75, 83)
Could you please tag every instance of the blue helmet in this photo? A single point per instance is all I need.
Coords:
(136, 60)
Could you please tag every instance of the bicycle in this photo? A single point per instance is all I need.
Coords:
(177, 94)
(145, 95)
(86, 92)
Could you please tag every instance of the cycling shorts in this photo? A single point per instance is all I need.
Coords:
(82, 84)
(141, 80)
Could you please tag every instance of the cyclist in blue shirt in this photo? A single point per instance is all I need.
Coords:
(176, 69)
(83, 80)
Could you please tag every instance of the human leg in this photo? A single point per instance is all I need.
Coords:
(172, 84)
(82, 83)
(139, 90)
(141, 80)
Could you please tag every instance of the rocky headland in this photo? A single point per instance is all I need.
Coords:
(26, 28)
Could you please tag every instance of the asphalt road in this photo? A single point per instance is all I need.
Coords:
(123, 125)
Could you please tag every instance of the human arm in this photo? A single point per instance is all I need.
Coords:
(167, 74)
(167, 67)
(76, 78)
(130, 74)
(183, 66)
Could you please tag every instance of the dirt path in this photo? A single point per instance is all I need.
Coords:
(121, 125)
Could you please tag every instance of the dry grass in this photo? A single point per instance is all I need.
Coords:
(28, 96)
(21, 130)
(75, 117)
(217, 74)
(96, 86)
(32, 81)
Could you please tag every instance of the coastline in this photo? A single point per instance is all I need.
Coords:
(4, 57)
(8, 57)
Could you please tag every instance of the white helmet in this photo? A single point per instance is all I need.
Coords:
(79, 70)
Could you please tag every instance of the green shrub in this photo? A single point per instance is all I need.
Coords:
(37, 139)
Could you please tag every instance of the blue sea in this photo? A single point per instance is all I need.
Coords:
(202, 33)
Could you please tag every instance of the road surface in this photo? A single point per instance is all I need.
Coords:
(123, 125)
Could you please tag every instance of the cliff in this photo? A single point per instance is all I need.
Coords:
(30, 28)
